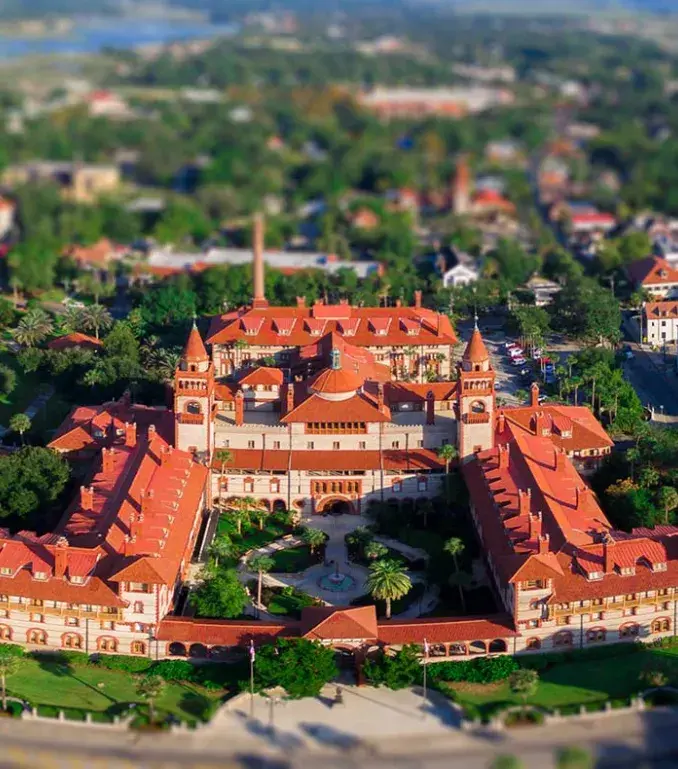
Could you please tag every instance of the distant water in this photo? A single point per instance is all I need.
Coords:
(93, 35)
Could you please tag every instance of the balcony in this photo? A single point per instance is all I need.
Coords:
(482, 418)
(190, 419)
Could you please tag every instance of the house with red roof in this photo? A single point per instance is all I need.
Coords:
(76, 339)
(654, 275)
(661, 322)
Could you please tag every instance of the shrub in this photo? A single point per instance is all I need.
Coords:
(123, 663)
(172, 670)
(484, 670)
(63, 657)
(17, 651)
(8, 379)
(397, 672)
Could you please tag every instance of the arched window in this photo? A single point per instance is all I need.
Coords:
(138, 607)
(275, 486)
(71, 641)
(596, 634)
(38, 637)
(629, 631)
(563, 638)
(478, 407)
(5, 633)
(193, 407)
(137, 647)
(248, 485)
(533, 644)
(662, 625)
(107, 644)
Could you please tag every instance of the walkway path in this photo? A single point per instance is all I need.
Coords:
(38, 403)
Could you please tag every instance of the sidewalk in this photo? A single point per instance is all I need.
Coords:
(38, 403)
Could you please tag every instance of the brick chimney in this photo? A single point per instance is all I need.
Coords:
(130, 434)
(239, 408)
(258, 262)
(86, 497)
(165, 454)
(544, 544)
(151, 432)
(380, 396)
(417, 298)
(289, 405)
(503, 456)
(60, 560)
(135, 526)
(501, 422)
(561, 459)
(541, 424)
(524, 498)
(107, 458)
(583, 496)
(535, 526)
(430, 408)
(534, 395)
(301, 301)
(399, 302)
(608, 560)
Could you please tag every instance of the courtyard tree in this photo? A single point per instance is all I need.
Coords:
(220, 595)
(447, 452)
(314, 538)
(33, 328)
(668, 501)
(300, 666)
(222, 457)
(96, 318)
(388, 581)
(454, 547)
(261, 564)
(238, 509)
(10, 662)
(523, 683)
(222, 547)
(20, 423)
(149, 689)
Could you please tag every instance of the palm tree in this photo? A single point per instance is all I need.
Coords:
(9, 664)
(221, 547)
(447, 452)
(96, 318)
(455, 547)
(165, 361)
(150, 688)
(239, 508)
(375, 550)
(668, 499)
(388, 581)
(20, 423)
(314, 538)
(71, 319)
(223, 456)
(261, 564)
(35, 326)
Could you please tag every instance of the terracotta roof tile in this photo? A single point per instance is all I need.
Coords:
(446, 630)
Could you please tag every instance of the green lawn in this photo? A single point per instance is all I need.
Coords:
(251, 537)
(574, 683)
(289, 605)
(55, 685)
(294, 559)
(27, 387)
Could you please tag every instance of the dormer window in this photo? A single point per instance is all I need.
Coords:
(659, 566)
(628, 571)
(595, 575)
(6, 571)
(77, 580)
(567, 433)
(39, 575)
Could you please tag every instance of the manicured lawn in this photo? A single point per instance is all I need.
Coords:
(289, 605)
(251, 537)
(87, 687)
(575, 683)
(294, 559)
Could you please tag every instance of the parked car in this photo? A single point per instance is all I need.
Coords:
(518, 362)
(510, 345)
(516, 352)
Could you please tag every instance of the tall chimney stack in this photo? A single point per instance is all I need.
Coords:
(258, 265)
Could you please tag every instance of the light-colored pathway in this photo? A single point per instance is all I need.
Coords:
(38, 403)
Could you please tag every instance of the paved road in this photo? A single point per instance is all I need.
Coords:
(324, 738)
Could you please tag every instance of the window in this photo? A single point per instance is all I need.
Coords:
(395, 444)
(38, 637)
(629, 631)
(39, 575)
(422, 484)
(4, 613)
(77, 580)
(661, 625)
(227, 445)
(597, 616)
(72, 622)
(336, 445)
(193, 407)
(137, 647)
(275, 486)
(563, 620)
(310, 445)
(533, 584)
(533, 623)
(665, 606)
(138, 607)
(37, 617)
(362, 445)
(397, 486)
(276, 445)
(533, 644)
(107, 644)
(663, 591)
(5, 633)
(250, 444)
(6, 572)
(420, 444)
(595, 635)
(107, 625)
(71, 641)
(563, 638)
(249, 485)
(139, 587)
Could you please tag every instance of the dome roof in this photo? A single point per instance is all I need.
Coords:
(332, 382)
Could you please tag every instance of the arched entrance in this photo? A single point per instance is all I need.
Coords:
(335, 506)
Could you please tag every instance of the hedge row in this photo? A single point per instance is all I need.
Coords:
(483, 670)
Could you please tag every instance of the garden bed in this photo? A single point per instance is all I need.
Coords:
(295, 559)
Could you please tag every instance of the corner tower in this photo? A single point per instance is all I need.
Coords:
(194, 397)
(475, 399)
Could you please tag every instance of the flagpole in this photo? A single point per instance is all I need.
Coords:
(425, 666)
(252, 655)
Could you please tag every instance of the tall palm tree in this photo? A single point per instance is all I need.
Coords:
(447, 452)
(96, 318)
(221, 547)
(165, 361)
(261, 564)
(223, 456)
(455, 547)
(33, 328)
(240, 509)
(71, 319)
(388, 581)
(314, 538)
